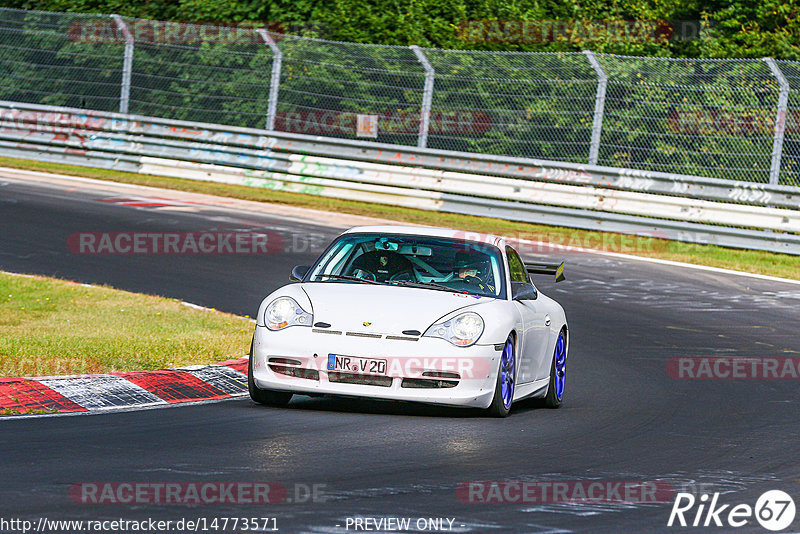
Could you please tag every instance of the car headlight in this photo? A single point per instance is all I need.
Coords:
(462, 330)
(284, 312)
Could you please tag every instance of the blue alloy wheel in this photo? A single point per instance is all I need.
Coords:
(508, 373)
(560, 365)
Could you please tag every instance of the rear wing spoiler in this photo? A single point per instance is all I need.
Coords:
(556, 269)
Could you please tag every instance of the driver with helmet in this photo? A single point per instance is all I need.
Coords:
(474, 269)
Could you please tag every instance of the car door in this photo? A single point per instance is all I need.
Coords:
(534, 337)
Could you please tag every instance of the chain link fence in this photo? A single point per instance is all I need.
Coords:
(703, 117)
(790, 157)
(734, 119)
(326, 85)
(512, 103)
(177, 74)
(42, 62)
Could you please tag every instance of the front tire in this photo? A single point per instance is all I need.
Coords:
(264, 396)
(558, 373)
(506, 380)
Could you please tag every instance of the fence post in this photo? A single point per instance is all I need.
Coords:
(599, 107)
(780, 121)
(127, 64)
(275, 78)
(427, 97)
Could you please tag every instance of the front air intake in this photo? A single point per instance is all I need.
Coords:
(364, 380)
(287, 367)
(432, 380)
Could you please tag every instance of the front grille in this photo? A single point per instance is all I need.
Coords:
(363, 334)
(364, 380)
(323, 331)
(402, 338)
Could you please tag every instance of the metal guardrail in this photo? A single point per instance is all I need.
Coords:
(686, 208)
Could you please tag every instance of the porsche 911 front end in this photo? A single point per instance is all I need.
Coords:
(412, 314)
(382, 342)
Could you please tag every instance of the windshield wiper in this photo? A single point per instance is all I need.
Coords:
(351, 278)
(427, 285)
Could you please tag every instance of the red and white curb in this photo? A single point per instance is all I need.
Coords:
(134, 389)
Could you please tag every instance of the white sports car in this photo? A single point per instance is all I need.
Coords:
(414, 314)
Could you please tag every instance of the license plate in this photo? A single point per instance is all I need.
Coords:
(351, 364)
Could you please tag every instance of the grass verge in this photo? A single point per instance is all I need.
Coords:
(54, 327)
(752, 261)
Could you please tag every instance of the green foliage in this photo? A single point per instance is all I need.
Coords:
(730, 28)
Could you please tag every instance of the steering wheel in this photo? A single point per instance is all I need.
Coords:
(475, 283)
(366, 275)
(402, 276)
(383, 265)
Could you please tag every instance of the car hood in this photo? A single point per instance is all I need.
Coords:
(387, 309)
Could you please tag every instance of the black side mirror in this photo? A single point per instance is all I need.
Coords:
(523, 291)
(299, 272)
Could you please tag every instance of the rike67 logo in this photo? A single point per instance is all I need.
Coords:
(774, 510)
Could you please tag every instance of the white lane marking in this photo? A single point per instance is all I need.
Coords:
(204, 308)
(329, 215)
(671, 263)
(294, 214)
(196, 306)
(185, 303)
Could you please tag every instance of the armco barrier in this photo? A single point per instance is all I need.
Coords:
(686, 208)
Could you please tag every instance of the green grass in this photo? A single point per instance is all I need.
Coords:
(26, 411)
(752, 261)
(54, 327)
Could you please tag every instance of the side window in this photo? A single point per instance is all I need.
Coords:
(516, 267)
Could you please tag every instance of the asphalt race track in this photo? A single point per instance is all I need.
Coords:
(624, 417)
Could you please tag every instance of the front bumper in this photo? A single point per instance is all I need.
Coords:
(418, 369)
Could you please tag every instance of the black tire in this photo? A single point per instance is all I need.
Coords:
(264, 396)
(552, 399)
(499, 406)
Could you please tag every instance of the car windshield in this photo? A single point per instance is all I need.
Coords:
(435, 263)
